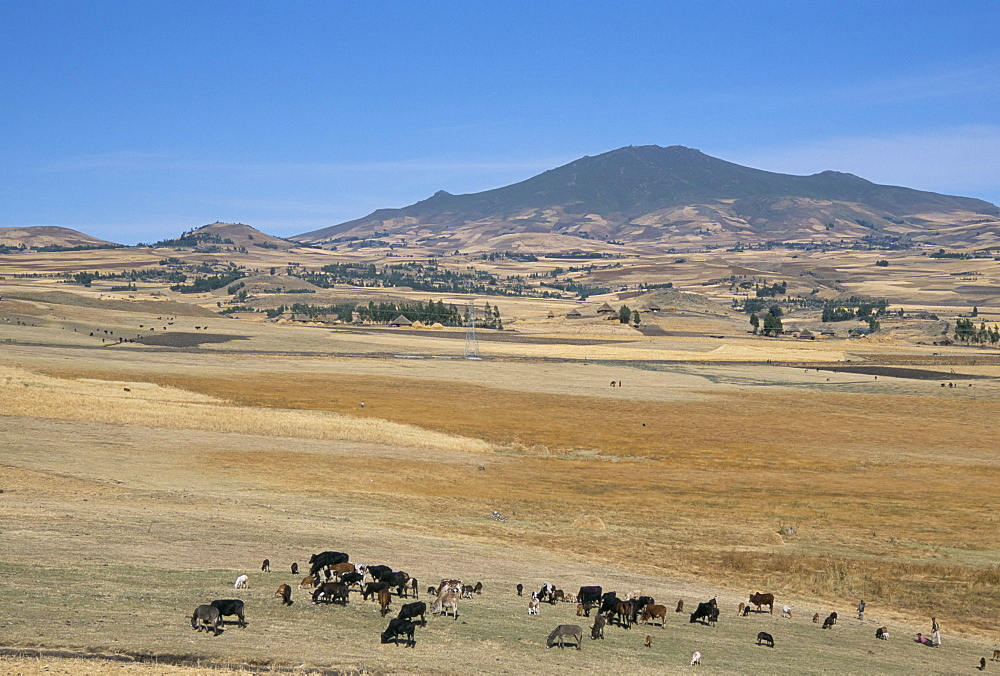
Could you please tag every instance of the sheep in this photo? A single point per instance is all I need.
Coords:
(242, 582)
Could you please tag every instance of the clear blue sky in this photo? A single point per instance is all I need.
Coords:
(134, 120)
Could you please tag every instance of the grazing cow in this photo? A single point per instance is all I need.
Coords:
(266, 566)
(703, 612)
(597, 631)
(242, 582)
(763, 637)
(415, 587)
(308, 582)
(397, 580)
(478, 589)
(545, 591)
(295, 569)
(608, 602)
(882, 633)
(564, 631)
(696, 658)
(206, 617)
(816, 618)
(324, 559)
(589, 594)
(445, 602)
(384, 599)
(377, 572)
(332, 592)
(372, 589)
(285, 593)
(450, 585)
(623, 614)
(467, 591)
(533, 604)
(639, 604)
(740, 608)
(653, 611)
(996, 656)
(230, 607)
(763, 600)
(352, 578)
(397, 628)
(413, 610)
(830, 620)
(680, 606)
(341, 569)
(520, 589)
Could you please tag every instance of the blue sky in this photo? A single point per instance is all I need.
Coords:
(136, 120)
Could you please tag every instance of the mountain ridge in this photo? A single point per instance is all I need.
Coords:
(612, 194)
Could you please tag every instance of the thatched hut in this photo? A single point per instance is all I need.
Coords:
(401, 320)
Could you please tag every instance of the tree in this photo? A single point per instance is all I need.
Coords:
(775, 310)
(754, 322)
(635, 318)
(975, 312)
(624, 314)
(772, 325)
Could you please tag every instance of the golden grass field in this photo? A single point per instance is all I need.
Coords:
(710, 471)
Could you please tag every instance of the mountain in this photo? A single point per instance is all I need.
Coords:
(648, 195)
(48, 236)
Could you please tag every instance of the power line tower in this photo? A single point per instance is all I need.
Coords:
(471, 344)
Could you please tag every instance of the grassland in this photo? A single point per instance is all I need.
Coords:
(138, 480)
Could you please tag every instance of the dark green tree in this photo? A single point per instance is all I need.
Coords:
(624, 314)
(754, 321)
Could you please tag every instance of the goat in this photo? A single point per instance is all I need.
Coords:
(266, 566)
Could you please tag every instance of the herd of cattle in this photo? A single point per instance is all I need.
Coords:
(332, 577)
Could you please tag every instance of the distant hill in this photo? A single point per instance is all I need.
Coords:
(49, 237)
(227, 234)
(675, 196)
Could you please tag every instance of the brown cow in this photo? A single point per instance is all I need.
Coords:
(680, 606)
(308, 582)
(649, 641)
(651, 612)
(739, 609)
(285, 593)
(996, 656)
(384, 599)
(339, 569)
(763, 600)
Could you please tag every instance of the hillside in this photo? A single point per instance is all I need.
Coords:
(648, 195)
(38, 237)
(230, 234)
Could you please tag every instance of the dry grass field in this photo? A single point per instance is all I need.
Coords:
(139, 480)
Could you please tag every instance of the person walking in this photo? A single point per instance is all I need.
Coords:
(861, 610)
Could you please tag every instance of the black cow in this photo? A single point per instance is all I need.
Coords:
(704, 612)
(324, 559)
(410, 611)
(608, 602)
(764, 637)
(713, 616)
(332, 592)
(546, 592)
(639, 605)
(352, 578)
(372, 589)
(378, 572)
(231, 607)
(397, 580)
(590, 594)
(397, 628)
